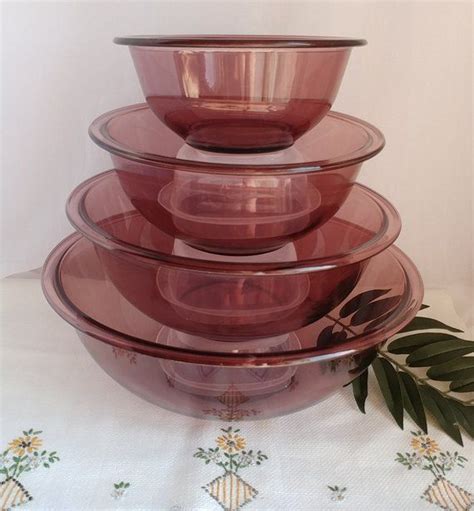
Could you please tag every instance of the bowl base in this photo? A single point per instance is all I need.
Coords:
(237, 126)
(235, 251)
(240, 137)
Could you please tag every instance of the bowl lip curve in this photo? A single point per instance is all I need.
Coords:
(388, 233)
(237, 41)
(58, 300)
(99, 133)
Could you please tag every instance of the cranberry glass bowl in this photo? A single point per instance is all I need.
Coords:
(239, 93)
(224, 297)
(235, 204)
(225, 381)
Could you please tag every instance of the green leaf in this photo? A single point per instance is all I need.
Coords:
(379, 321)
(441, 410)
(464, 416)
(327, 337)
(390, 386)
(361, 300)
(409, 343)
(459, 369)
(360, 391)
(420, 323)
(412, 400)
(363, 361)
(440, 352)
(462, 385)
(374, 310)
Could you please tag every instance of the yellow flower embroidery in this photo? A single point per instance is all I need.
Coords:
(24, 444)
(231, 442)
(424, 445)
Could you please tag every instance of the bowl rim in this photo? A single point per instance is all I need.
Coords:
(237, 41)
(389, 230)
(99, 133)
(59, 301)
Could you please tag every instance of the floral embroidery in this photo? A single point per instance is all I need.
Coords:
(232, 399)
(229, 489)
(23, 454)
(120, 489)
(24, 444)
(337, 493)
(423, 444)
(231, 442)
(427, 456)
(120, 353)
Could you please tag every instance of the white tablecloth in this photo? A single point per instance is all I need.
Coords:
(118, 452)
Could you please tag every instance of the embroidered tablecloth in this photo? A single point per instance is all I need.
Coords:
(73, 439)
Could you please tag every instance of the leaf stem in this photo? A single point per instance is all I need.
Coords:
(341, 324)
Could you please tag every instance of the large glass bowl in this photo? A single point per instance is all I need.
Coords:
(239, 93)
(231, 298)
(235, 204)
(229, 381)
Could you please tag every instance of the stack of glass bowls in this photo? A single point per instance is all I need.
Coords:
(229, 266)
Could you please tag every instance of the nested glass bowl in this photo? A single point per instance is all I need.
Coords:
(239, 93)
(229, 381)
(235, 204)
(230, 298)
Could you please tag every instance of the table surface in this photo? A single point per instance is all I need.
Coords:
(99, 447)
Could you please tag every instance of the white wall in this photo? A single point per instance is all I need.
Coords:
(60, 70)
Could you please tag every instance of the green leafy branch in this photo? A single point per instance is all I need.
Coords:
(444, 357)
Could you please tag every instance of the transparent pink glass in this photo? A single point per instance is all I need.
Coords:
(235, 204)
(223, 297)
(240, 93)
(221, 380)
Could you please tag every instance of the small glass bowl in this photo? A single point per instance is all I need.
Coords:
(229, 381)
(239, 93)
(235, 204)
(231, 298)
